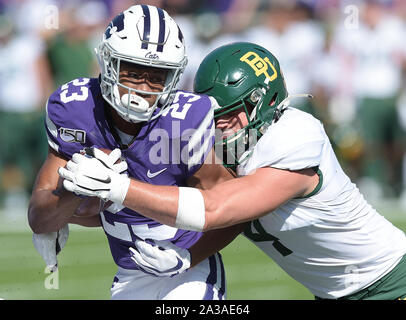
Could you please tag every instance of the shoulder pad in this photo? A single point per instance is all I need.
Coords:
(69, 115)
(295, 142)
(190, 118)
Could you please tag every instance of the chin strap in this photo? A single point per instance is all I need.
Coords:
(96, 51)
(284, 104)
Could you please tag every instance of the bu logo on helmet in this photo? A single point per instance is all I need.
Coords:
(259, 65)
(116, 25)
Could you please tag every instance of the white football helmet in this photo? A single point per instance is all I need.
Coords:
(147, 36)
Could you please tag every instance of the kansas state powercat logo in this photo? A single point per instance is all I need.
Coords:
(116, 25)
(72, 135)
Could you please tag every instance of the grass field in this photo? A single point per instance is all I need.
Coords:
(87, 269)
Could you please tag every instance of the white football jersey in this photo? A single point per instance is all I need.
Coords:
(333, 241)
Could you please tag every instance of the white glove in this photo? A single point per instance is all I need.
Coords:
(163, 259)
(49, 245)
(90, 176)
(109, 160)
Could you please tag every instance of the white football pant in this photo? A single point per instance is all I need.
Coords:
(205, 281)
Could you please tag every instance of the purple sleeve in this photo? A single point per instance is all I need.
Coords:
(188, 123)
(197, 138)
(67, 120)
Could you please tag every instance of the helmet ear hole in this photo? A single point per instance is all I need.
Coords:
(250, 106)
(273, 100)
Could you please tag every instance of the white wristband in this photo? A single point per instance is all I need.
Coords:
(191, 211)
(119, 188)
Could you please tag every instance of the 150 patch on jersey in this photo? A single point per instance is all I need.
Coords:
(72, 135)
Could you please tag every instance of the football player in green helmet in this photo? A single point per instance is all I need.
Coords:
(243, 75)
(249, 87)
(300, 207)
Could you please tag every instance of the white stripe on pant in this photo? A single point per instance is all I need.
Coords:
(206, 281)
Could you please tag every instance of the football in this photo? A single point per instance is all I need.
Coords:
(89, 151)
(91, 206)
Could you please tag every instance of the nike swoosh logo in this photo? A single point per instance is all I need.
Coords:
(108, 180)
(151, 175)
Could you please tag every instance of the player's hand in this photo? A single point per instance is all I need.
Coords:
(90, 176)
(113, 160)
(49, 245)
(161, 259)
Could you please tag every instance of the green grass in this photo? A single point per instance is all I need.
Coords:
(252, 275)
(87, 269)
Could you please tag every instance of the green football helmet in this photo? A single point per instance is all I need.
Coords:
(243, 75)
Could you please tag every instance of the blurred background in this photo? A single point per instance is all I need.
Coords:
(351, 55)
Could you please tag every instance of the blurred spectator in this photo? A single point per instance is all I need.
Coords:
(24, 84)
(376, 55)
(212, 24)
(401, 107)
(195, 50)
(35, 17)
(289, 31)
(334, 100)
(118, 6)
(71, 51)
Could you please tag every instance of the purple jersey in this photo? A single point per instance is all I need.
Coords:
(166, 151)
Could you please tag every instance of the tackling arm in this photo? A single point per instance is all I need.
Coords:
(229, 203)
(209, 175)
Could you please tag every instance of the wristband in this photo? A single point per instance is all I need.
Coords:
(119, 188)
(191, 210)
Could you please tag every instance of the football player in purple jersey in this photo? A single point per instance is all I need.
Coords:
(165, 135)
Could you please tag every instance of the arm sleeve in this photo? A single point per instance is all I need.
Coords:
(64, 133)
